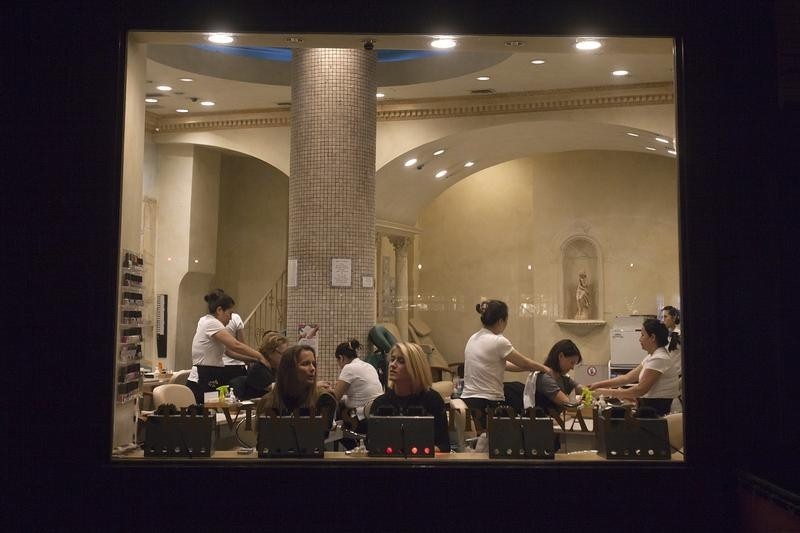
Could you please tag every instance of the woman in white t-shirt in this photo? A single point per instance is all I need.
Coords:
(358, 381)
(487, 355)
(210, 342)
(655, 378)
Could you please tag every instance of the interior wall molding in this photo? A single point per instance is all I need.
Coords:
(450, 107)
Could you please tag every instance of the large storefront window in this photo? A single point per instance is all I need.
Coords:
(539, 171)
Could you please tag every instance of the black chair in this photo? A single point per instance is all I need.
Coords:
(237, 386)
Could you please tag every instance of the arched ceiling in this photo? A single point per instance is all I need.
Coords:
(256, 76)
(402, 192)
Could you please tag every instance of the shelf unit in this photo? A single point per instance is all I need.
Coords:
(128, 377)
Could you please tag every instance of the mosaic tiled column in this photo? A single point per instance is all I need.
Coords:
(401, 283)
(332, 195)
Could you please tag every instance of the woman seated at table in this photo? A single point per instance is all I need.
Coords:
(410, 387)
(655, 378)
(211, 340)
(552, 390)
(260, 377)
(295, 391)
(358, 382)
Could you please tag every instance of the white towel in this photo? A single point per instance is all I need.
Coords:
(529, 393)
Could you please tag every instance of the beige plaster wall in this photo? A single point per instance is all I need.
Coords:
(481, 234)
(253, 225)
(202, 258)
(174, 188)
(131, 212)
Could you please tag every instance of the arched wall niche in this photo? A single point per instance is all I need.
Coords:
(581, 259)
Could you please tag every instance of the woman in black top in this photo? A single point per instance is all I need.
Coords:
(259, 376)
(410, 387)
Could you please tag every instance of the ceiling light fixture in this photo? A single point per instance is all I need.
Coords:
(410, 162)
(221, 38)
(441, 174)
(469, 163)
(673, 152)
(443, 42)
(631, 134)
(537, 61)
(662, 140)
(515, 43)
(439, 152)
(587, 43)
(185, 79)
(164, 88)
(151, 100)
(483, 78)
(379, 95)
(182, 110)
(620, 72)
(207, 103)
(650, 148)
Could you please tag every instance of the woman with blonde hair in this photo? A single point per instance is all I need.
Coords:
(409, 388)
(260, 377)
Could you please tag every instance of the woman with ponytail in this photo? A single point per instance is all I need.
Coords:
(487, 356)
(211, 340)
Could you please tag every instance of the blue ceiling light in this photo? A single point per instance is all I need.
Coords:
(285, 54)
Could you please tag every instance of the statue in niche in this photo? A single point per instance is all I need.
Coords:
(582, 297)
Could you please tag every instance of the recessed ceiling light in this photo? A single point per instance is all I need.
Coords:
(631, 134)
(182, 110)
(588, 44)
(441, 174)
(483, 78)
(379, 95)
(207, 103)
(151, 100)
(673, 152)
(164, 88)
(469, 163)
(185, 79)
(443, 42)
(221, 38)
(620, 73)
(196, 260)
(537, 61)
(662, 140)
(439, 152)
(410, 162)
(650, 148)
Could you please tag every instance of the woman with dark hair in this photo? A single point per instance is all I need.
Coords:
(358, 381)
(295, 390)
(211, 340)
(672, 319)
(553, 390)
(655, 378)
(409, 386)
(487, 355)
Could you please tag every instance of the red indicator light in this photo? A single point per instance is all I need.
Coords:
(389, 450)
(414, 450)
(427, 451)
